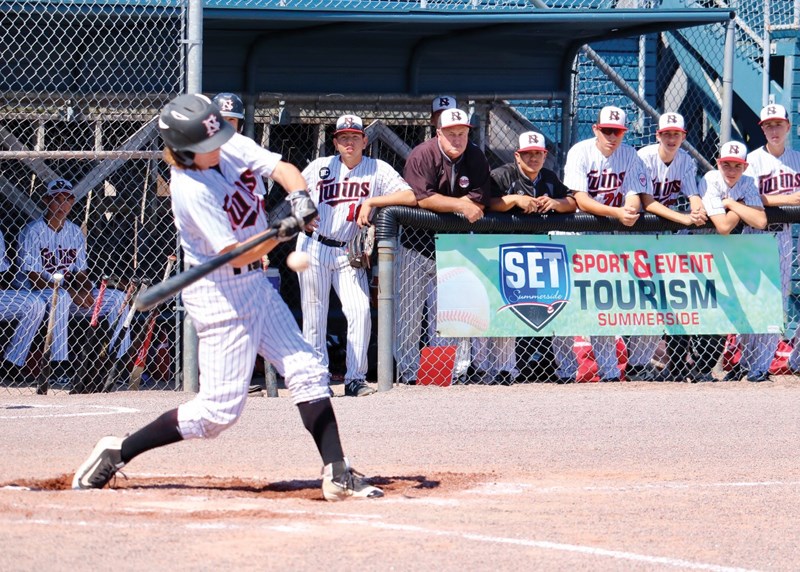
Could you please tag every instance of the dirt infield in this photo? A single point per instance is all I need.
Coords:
(630, 476)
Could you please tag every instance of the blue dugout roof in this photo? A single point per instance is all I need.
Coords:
(414, 52)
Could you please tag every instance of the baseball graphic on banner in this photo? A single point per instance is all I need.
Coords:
(463, 303)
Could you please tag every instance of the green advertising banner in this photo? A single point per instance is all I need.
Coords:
(543, 285)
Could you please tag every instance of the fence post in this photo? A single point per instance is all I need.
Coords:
(386, 250)
(194, 84)
(726, 112)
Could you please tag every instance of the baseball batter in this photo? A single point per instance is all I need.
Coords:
(342, 186)
(28, 309)
(731, 197)
(776, 170)
(607, 178)
(52, 244)
(235, 309)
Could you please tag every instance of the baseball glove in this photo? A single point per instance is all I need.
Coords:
(360, 247)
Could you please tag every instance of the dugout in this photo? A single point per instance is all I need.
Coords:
(400, 50)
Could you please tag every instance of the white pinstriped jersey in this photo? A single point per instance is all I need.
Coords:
(43, 250)
(672, 181)
(608, 180)
(713, 189)
(774, 175)
(216, 208)
(338, 191)
(241, 157)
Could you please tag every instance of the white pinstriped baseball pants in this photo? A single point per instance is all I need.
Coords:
(329, 266)
(237, 317)
(28, 308)
(112, 301)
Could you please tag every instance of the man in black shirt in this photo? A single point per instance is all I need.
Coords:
(524, 186)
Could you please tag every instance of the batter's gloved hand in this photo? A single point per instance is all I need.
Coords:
(302, 206)
(288, 227)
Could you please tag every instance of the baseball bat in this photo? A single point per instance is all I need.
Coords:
(150, 323)
(111, 378)
(122, 314)
(80, 383)
(98, 303)
(43, 383)
(145, 301)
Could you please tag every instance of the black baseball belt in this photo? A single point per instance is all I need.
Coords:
(325, 240)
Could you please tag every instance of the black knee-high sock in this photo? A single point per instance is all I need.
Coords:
(162, 431)
(319, 419)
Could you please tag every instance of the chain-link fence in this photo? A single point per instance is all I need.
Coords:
(423, 355)
(82, 83)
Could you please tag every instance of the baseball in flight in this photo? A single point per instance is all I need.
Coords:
(298, 261)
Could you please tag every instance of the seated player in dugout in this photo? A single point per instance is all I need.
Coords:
(53, 244)
(27, 309)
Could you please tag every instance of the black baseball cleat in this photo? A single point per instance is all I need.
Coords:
(101, 466)
(357, 388)
(340, 481)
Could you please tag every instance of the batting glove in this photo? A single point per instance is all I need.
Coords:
(302, 206)
(288, 227)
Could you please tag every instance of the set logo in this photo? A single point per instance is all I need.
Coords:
(534, 281)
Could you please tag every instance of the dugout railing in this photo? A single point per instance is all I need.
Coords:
(401, 228)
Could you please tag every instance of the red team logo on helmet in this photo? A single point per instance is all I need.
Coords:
(211, 124)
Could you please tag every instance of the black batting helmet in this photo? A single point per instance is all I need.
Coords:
(230, 105)
(192, 124)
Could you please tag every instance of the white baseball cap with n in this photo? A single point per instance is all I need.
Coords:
(774, 111)
(58, 186)
(612, 117)
(442, 102)
(733, 151)
(531, 141)
(671, 122)
(349, 124)
(453, 117)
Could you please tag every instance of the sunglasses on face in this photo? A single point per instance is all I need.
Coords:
(611, 131)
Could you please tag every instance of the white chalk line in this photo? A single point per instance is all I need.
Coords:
(498, 489)
(299, 527)
(547, 545)
(109, 410)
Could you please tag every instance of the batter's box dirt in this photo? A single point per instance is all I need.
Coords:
(411, 486)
